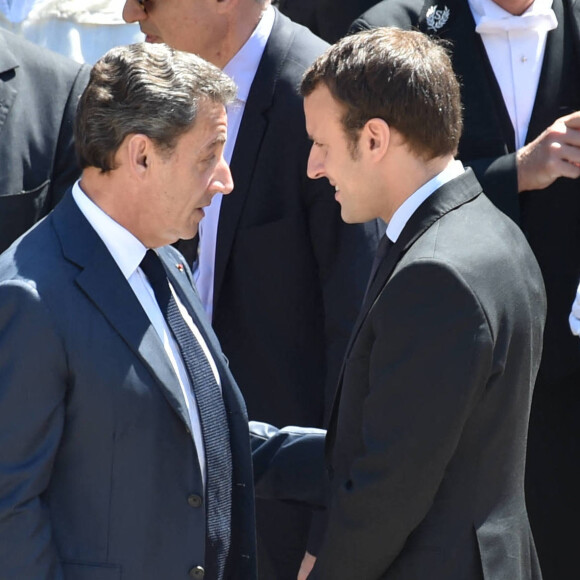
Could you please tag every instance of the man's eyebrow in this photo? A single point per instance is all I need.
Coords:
(218, 140)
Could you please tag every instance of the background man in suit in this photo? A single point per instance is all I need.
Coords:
(279, 273)
(426, 442)
(522, 139)
(39, 92)
(124, 441)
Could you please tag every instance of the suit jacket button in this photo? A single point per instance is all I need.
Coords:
(197, 573)
(194, 500)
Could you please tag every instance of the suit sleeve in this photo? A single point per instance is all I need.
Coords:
(32, 390)
(66, 167)
(289, 464)
(427, 352)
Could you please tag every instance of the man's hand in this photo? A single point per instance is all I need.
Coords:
(306, 566)
(555, 153)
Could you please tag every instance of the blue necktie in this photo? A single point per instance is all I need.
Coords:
(214, 424)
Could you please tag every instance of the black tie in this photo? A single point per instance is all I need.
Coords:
(214, 424)
(382, 250)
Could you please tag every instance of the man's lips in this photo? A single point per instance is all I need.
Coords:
(151, 38)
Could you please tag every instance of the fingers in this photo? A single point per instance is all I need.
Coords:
(572, 120)
(566, 160)
(555, 153)
(306, 566)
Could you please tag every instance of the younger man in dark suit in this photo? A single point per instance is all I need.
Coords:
(517, 61)
(426, 442)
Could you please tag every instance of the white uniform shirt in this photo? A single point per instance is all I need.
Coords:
(515, 46)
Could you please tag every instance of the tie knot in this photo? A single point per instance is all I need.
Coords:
(155, 272)
(153, 268)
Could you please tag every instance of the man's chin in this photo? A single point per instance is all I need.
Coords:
(190, 235)
(347, 218)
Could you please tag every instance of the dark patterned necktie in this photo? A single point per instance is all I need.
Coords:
(214, 424)
(382, 250)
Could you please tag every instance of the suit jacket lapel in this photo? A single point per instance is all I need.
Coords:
(104, 284)
(185, 290)
(8, 63)
(447, 198)
(546, 105)
(248, 143)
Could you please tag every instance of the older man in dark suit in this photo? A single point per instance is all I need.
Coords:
(124, 439)
(39, 91)
(426, 443)
(279, 273)
(522, 139)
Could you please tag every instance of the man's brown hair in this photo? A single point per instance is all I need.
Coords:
(403, 77)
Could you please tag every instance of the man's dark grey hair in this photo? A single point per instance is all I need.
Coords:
(148, 89)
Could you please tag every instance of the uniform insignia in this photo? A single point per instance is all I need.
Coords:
(179, 267)
(436, 19)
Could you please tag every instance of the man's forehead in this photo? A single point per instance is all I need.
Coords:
(210, 124)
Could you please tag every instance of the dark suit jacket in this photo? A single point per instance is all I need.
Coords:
(426, 444)
(39, 91)
(329, 19)
(100, 477)
(550, 218)
(289, 274)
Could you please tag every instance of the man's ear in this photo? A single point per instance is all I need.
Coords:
(375, 138)
(139, 149)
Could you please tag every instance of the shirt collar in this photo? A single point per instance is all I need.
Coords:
(489, 8)
(243, 66)
(126, 249)
(410, 205)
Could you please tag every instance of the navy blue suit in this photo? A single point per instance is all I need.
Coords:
(99, 475)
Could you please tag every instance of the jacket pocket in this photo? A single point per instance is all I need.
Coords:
(90, 571)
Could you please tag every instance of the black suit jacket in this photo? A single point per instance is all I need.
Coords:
(329, 19)
(39, 91)
(550, 218)
(289, 274)
(100, 478)
(426, 444)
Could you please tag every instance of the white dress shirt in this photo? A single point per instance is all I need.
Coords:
(515, 46)
(242, 69)
(574, 318)
(410, 205)
(128, 252)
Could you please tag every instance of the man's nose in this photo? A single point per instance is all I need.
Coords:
(132, 12)
(224, 177)
(315, 167)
